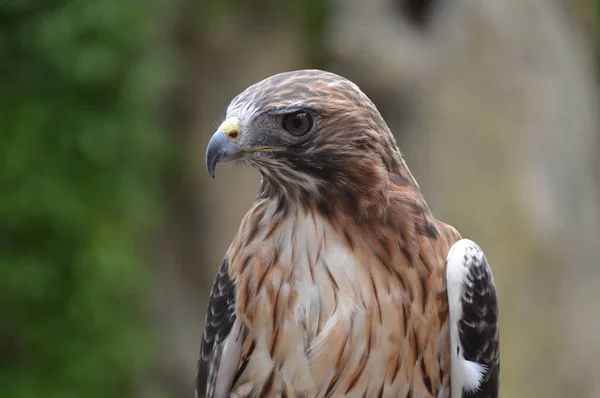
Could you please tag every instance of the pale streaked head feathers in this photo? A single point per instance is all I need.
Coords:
(349, 151)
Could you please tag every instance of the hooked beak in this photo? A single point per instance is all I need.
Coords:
(221, 147)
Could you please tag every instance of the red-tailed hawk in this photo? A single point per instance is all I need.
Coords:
(340, 282)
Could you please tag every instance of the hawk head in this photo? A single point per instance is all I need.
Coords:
(316, 139)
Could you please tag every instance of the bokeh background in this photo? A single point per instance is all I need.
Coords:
(111, 229)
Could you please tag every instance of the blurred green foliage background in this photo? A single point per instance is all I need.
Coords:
(110, 232)
(79, 156)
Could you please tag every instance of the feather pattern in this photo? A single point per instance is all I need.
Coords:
(220, 319)
(339, 314)
(474, 322)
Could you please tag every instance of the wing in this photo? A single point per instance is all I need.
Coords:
(221, 341)
(473, 304)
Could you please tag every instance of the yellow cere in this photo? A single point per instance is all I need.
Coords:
(231, 127)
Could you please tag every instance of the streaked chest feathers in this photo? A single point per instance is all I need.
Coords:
(327, 310)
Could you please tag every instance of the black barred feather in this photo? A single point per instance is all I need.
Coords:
(220, 317)
(478, 330)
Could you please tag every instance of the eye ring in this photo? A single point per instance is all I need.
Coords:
(297, 123)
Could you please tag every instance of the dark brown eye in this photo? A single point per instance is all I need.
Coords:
(297, 123)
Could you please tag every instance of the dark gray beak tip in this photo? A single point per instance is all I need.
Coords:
(220, 149)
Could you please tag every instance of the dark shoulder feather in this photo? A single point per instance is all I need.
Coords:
(478, 327)
(220, 317)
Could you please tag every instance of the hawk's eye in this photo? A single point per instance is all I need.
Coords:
(297, 123)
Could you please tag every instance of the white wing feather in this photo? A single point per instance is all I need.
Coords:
(466, 264)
